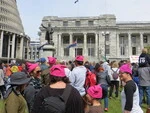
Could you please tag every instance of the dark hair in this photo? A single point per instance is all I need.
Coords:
(129, 74)
(79, 62)
(97, 66)
(54, 79)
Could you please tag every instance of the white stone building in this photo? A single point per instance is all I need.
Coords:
(97, 37)
(14, 44)
(34, 51)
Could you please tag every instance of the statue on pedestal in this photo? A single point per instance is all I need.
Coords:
(49, 34)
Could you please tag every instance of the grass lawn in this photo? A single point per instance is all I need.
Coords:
(114, 106)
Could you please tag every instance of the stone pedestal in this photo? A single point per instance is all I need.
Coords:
(48, 50)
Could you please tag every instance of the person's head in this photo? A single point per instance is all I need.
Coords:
(100, 69)
(144, 50)
(19, 79)
(42, 60)
(51, 60)
(94, 92)
(125, 72)
(57, 73)
(79, 60)
(115, 65)
(96, 68)
(33, 69)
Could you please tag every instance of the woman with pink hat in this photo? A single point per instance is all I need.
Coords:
(51, 61)
(94, 93)
(130, 93)
(59, 88)
(34, 86)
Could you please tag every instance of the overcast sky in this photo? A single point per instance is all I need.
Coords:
(32, 11)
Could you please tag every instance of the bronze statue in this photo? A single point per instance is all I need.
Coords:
(49, 32)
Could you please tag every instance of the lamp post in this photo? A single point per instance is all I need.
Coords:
(106, 35)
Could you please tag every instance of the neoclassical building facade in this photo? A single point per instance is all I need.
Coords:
(14, 44)
(97, 37)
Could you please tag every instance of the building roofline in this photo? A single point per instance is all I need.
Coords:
(132, 22)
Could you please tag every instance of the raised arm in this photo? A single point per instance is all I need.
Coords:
(43, 26)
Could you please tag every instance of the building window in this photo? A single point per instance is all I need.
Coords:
(91, 52)
(91, 40)
(106, 37)
(66, 51)
(133, 39)
(133, 50)
(107, 49)
(78, 51)
(65, 39)
(145, 39)
(122, 50)
(90, 23)
(78, 23)
(65, 23)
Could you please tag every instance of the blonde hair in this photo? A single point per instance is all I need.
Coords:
(115, 65)
(144, 50)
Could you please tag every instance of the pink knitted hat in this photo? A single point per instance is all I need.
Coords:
(31, 66)
(79, 58)
(51, 60)
(95, 91)
(57, 70)
(126, 68)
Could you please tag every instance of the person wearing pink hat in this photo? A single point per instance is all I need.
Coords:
(59, 84)
(51, 60)
(78, 75)
(34, 85)
(94, 93)
(130, 93)
(92, 103)
(45, 72)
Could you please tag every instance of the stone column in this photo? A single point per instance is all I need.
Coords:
(129, 45)
(32, 53)
(35, 52)
(59, 45)
(101, 45)
(1, 43)
(27, 49)
(85, 45)
(117, 45)
(13, 46)
(8, 53)
(70, 49)
(21, 48)
(141, 41)
(96, 45)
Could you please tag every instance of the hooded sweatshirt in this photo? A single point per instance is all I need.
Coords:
(77, 79)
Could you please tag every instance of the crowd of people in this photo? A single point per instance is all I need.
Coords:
(78, 86)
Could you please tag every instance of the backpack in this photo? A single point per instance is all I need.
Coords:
(90, 79)
(143, 61)
(108, 80)
(115, 74)
(56, 104)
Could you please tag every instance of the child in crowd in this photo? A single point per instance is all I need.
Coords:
(94, 93)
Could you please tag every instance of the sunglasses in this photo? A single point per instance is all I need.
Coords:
(38, 71)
